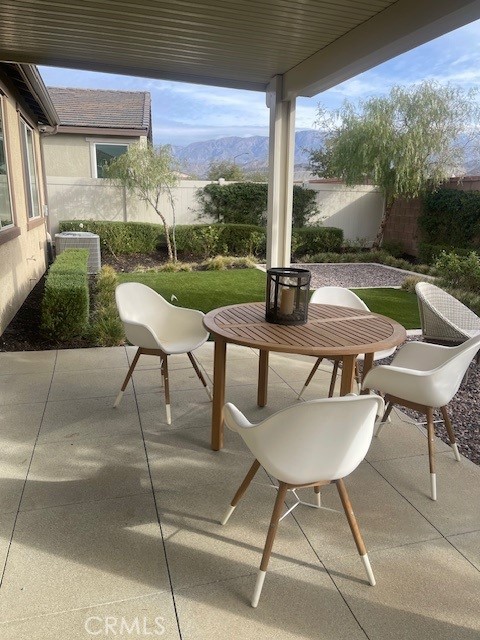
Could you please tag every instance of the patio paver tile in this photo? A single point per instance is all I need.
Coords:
(16, 362)
(17, 388)
(296, 602)
(424, 591)
(88, 419)
(182, 460)
(189, 410)
(88, 383)
(93, 358)
(7, 520)
(384, 517)
(149, 380)
(468, 544)
(401, 439)
(83, 555)
(124, 617)
(245, 371)
(106, 556)
(458, 489)
(64, 473)
(20, 423)
(200, 550)
(14, 463)
(280, 396)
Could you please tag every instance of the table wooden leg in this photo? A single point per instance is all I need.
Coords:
(348, 375)
(367, 365)
(218, 393)
(262, 379)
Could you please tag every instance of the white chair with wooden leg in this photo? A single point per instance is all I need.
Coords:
(340, 297)
(308, 445)
(158, 328)
(424, 377)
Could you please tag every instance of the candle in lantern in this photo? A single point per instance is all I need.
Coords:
(287, 301)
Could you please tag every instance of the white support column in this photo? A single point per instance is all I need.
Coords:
(280, 179)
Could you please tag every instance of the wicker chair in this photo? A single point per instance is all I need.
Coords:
(445, 320)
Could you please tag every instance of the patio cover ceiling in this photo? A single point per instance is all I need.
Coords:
(313, 44)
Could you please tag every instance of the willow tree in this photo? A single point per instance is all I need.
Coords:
(149, 173)
(404, 143)
(226, 169)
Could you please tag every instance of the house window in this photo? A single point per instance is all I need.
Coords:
(6, 215)
(31, 183)
(105, 153)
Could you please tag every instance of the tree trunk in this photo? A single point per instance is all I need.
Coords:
(169, 244)
(167, 235)
(383, 223)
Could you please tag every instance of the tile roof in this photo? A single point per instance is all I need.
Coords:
(101, 108)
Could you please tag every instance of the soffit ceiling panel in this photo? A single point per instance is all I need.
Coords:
(238, 43)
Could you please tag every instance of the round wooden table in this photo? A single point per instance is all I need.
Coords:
(331, 331)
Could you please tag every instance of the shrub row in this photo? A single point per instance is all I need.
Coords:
(429, 253)
(203, 240)
(119, 237)
(209, 240)
(459, 272)
(66, 298)
(250, 240)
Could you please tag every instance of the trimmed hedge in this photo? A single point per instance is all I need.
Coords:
(119, 237)
(316, 240)
(204, 240)
(65, 304)
(246, 203)
(209, 240)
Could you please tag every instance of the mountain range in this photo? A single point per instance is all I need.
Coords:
(250, 153)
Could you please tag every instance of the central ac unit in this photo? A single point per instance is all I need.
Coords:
(81, 240)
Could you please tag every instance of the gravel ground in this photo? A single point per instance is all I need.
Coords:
(354, 275)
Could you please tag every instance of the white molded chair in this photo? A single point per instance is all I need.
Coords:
(158, 328)
(343, 298)
(308, 445)
(424, 377)
(444, 319)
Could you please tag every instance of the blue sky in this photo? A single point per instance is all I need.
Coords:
(184, 113)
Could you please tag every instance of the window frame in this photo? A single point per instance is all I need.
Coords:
(32, 216)
(93, 151)
(10, 231)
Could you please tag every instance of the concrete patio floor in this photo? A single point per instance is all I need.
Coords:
(109, 517)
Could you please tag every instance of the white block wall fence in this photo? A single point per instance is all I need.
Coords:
(357, 210)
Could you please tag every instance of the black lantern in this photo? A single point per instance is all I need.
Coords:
(287, 296)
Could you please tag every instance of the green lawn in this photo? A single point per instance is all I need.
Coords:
(206, 290)
(397, 304)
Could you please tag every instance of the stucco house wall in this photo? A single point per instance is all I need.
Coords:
(23, 245)
(69, 155)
